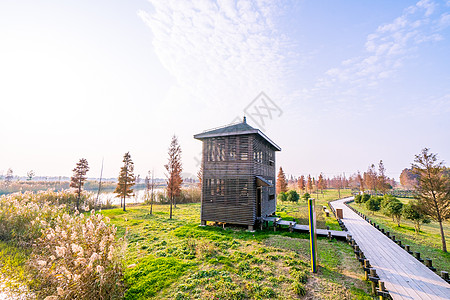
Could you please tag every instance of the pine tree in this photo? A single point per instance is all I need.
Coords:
(433, 189)
(126, 180)
(174, 168)
(79, 177)
(282, 185)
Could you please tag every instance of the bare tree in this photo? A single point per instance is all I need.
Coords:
(126, 179)
(79, 177)
(174, 168)
(433, 188)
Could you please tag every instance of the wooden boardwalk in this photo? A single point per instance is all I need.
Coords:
(305, 228)
(404, 276)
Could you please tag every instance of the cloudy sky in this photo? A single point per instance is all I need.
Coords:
(347, 83)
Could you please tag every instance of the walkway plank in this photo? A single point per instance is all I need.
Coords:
(404, 276)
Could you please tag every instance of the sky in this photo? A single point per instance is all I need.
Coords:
(338, 85)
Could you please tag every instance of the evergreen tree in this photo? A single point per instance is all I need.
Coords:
(174, 168)
(126, 180)
(282, 185)
(433, 189)
(79, 177)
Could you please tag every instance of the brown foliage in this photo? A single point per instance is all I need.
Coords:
(174, 168)
(282, 185)
(433, 188)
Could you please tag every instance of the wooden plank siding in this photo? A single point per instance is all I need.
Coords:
(230, 166)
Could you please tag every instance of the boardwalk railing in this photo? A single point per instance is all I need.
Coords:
(428, 262)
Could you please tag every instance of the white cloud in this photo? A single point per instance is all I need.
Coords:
(219, 52)
(385, 51)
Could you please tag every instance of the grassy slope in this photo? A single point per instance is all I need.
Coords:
(178, 259)
(427, 242)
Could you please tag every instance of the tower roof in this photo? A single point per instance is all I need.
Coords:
(235, 129)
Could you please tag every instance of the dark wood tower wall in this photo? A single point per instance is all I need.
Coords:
(229, 186)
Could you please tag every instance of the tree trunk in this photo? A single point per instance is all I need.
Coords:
(125, 193)
(444, 245)
(79, 195)
(171, 200)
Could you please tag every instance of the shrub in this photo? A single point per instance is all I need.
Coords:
(72, 257)
(365, 198)
(79, 258)
(373, 204)
(306, 196)
(394, 209)
(282, 196)
(412, 211)
(358, 198)
(384, 204)
(292, 196)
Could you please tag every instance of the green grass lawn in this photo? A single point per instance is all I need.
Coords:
(290, 210)
(177, 259)
(427, 242)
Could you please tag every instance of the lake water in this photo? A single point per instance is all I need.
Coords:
(139, 196)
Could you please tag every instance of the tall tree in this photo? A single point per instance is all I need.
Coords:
(321, 183)
(433, 188)
(309, 184)
(9, 176)
(382, 181)
(361, 182)
(30, 175)
(149, 182)
(174, 168)
(79, 177)
(282, 185)
(301, 183)
(126, 180)
(408, 179)
(370, 179)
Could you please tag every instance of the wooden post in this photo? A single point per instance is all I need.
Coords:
(407, 248)
(373, 276)
(382, 289)
(366, 269)
(417, 255)
(387, 233)
(429, 264)
(361, 258)
(356, 251)
(312, 234)
(329, 235)
(291, 227)
(444, 275)
(339, 213)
